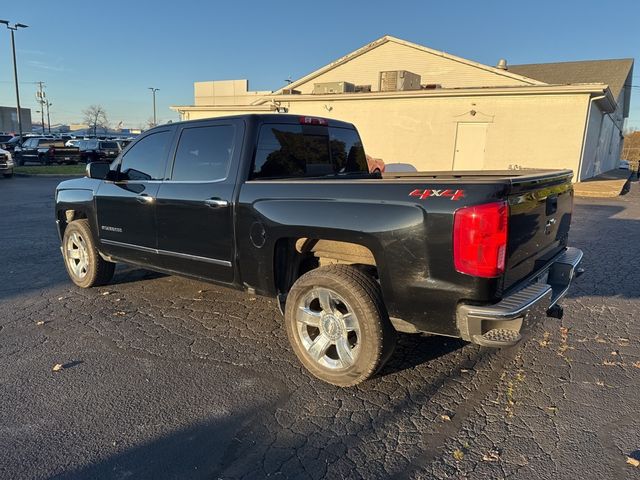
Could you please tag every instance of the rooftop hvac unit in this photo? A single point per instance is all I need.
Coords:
(398, 80)
(333, 87)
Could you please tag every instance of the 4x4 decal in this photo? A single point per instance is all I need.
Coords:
(452, 194)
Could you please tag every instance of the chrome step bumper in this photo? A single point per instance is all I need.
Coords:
(534, 300)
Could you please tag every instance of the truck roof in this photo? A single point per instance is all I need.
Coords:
(266, 118)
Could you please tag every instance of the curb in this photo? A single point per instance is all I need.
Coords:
(48, 175)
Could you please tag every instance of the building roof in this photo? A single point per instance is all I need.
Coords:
(616, 73)
(388, 38)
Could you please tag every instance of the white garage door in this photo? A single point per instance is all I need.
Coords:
(470, 143)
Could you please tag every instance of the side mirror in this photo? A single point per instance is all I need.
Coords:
(99, 170)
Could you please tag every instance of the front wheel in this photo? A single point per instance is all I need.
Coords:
(85, 266)
(338, 325)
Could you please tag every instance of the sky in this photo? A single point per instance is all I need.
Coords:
(109, 53)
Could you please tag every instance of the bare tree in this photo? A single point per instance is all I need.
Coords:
(95, 116)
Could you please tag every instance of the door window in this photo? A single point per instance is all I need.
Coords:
(204, 153)
(146, 159)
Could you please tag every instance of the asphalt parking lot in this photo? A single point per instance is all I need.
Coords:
(171, 378)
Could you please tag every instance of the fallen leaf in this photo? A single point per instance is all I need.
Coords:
(118, 299)
(445, 418)
(552, 409)
(636, 364)
(464, 370)
(120, 314)
(57, 367)
(105, 293)
(40, 323)
(200, 291)
(614, 353)
(458, 454)
(491, 456)
(60, 298)
(633, 461)
(545, 339)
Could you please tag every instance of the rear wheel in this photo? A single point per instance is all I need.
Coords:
(85, 266)
(338, 326)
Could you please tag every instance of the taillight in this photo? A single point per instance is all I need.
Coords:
(480, 239)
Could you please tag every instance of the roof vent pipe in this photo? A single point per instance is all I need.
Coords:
(502, 64)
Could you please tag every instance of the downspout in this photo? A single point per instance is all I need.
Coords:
(584, 135)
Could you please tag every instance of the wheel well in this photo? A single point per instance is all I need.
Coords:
(296, 256)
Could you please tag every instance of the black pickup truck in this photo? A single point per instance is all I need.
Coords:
(285, 206)
(45, 151)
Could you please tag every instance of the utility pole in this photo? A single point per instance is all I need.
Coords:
(13, 28)
(42, 100)
(153, 91)
(48, 116)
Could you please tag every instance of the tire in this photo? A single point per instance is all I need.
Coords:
(7, 175)
(338, 326)
(85, 266)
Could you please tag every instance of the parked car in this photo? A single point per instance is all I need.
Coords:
(285, 206)
(74, 142)
(6, 163)
(46, 151)
(10, 144)
(98, 150)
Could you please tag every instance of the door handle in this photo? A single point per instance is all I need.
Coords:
(216, 203)
(144, 198)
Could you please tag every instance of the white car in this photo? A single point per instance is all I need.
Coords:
(6, 163)
(624, 165)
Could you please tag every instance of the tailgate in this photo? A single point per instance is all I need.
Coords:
(540, 216)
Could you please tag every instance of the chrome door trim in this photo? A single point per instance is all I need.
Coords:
(187, 256)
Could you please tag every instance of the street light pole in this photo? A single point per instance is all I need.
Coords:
(13, 28)
(153, 91)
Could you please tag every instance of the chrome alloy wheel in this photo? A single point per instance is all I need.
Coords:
(77, 255)
(328, 328)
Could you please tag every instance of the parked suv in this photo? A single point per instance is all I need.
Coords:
(98, 150)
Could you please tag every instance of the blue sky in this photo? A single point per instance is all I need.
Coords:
(108, 53)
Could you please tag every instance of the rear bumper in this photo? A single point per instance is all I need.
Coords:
(532, 300)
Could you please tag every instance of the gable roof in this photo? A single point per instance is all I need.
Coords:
(388, 38)
(616, 73)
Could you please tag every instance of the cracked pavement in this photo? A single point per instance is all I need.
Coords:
(171, 378)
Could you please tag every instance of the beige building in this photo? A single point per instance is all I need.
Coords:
(421, 109)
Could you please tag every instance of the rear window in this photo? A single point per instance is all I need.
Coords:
(286, 151)
(113, 145)
(49, 143)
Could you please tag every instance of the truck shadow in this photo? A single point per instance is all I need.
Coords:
(415, 349)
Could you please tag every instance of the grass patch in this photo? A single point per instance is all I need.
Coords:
(51, 169)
